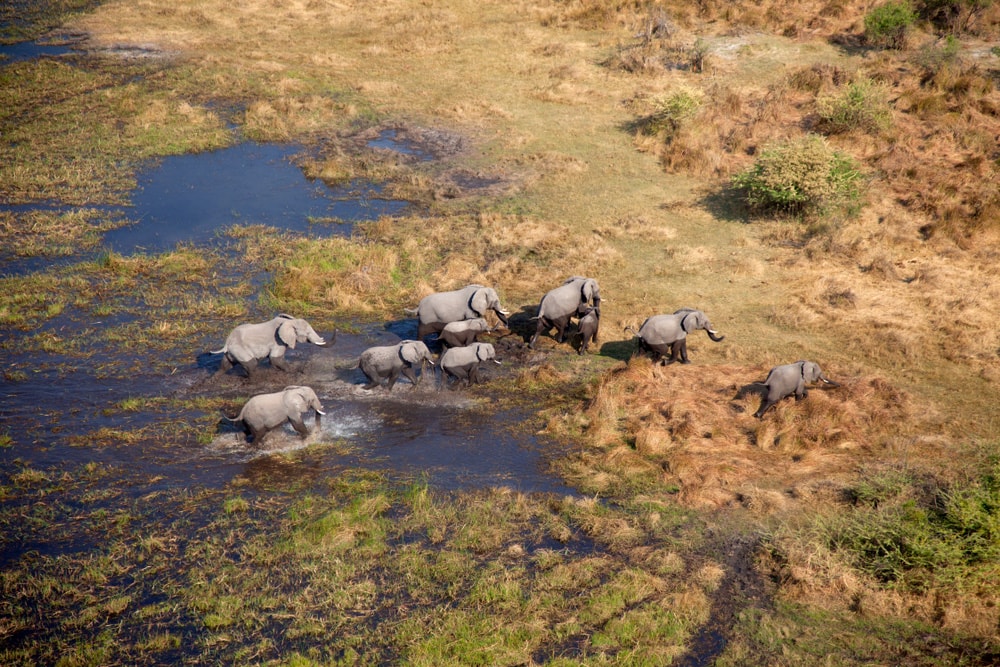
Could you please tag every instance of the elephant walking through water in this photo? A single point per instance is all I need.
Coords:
(265, 412)
(388, 362)
(249, 344)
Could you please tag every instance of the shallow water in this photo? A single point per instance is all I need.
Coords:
(191, 198)
(10, 53)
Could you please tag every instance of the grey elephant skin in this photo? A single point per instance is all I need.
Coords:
(266, 412)
(559, 305)
(466, 332)
(790, 379)
(436, 310)
(462, 363)
(590, 321)
(388, 362)
(661, 334)
(248, 344)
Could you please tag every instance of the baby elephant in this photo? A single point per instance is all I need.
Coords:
(250, 343)
(790, 379)
(389, 361)
(463, 332)
(462, 363)
(590, 320)
(266, 412)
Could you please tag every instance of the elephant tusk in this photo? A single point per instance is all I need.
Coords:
(320, 412)
(504, 312)
(497, 362)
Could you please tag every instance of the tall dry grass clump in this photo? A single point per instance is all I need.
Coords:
(689, 430)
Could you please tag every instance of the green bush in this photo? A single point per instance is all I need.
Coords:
(886, 25)
(862, 105)
(910, 534)
(670, 112)
(801, 176)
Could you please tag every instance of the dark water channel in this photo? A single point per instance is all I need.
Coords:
(191, 198)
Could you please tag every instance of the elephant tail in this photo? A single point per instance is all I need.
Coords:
(411, 311)
(630, 330)
(225, 348)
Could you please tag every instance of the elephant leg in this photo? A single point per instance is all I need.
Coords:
(250, 367)
(224, 365)
(280, 363)
(299, 426)
(799, 395)
(542, 327)
(425, 329)
(684, 351)
(765, 405)
(393, 376)
(258, 435)
(411, 376)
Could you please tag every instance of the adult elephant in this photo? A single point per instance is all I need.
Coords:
(248, 344)
(388, 362)
(266, 412)
(662, 333)
(564, 302)
(790, 379)
(462, 363)
(436, 310)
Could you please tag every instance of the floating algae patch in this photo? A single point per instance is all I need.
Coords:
(190, 198)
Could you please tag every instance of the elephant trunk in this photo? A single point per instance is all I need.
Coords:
(714, 335)
(502, 315)
(330, 341)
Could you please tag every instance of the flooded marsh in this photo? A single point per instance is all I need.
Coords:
(179, 169)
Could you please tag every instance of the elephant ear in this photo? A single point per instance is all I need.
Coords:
(479, 301)
(296, 399)
(409, 352)
(287, 334)
(811, 371)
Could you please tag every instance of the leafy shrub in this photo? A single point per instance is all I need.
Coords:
(670, 111)
(862, 105)
(933, 56)
(800, 176)
(907, 536)
(887, 24)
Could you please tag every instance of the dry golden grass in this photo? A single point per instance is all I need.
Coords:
(692, 428)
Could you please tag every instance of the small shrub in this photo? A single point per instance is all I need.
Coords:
(862, 105)
(670, 112)
(933, 56)
(801, 176)
(887, 24)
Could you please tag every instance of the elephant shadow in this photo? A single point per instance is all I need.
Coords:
(523, 322)
(752, 389)
(209, 361)
(622, 350)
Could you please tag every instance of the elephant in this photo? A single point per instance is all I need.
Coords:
(266, 412)
(560, 304)
(590, 320)
(389, 361)
(790, 379)
(436, 310)
(462, 363)
(250, 343)
(662, 332)
(465, 332)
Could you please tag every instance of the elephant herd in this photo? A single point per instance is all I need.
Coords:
(458, 318)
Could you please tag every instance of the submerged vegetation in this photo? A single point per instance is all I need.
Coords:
(859, 526)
